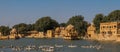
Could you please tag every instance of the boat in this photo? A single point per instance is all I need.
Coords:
(58, 45)
(92, 46)
(16, 48)
(47, 48)
(28, 48)
(72, 46)
(99, 47)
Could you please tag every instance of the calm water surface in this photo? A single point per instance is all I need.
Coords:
(5, 45)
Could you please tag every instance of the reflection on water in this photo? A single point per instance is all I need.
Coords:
(57, 45)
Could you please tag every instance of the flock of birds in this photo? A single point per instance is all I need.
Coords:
(47, 48)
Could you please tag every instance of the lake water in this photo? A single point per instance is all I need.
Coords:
(106, 46)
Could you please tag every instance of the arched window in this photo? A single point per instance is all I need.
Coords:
(115, 26)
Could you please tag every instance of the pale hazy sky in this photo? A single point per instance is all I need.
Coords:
(28, 11)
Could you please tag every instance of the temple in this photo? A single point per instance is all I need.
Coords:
(70, 33)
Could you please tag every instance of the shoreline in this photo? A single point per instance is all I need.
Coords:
(7, 38)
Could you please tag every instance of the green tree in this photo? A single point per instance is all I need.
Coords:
(114, 16)
(5, 30)
(105, 19)
(62, 24)
(45, 23)
(21, 28)
(97, 20)
(79, 24)
(30, 27)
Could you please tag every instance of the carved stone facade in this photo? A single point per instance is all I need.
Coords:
(110, 28)
(59, 31)
(13, 34)
(70, 32)
(91, 31)
(110, 31)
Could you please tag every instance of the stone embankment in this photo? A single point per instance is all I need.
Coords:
(10, 37)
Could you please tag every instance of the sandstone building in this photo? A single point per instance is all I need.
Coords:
(35, 34)
(91, 31)
(108, 31)
(49, 34)
(70, 33)
(59, 31)
(14, 34)
(110, 28)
